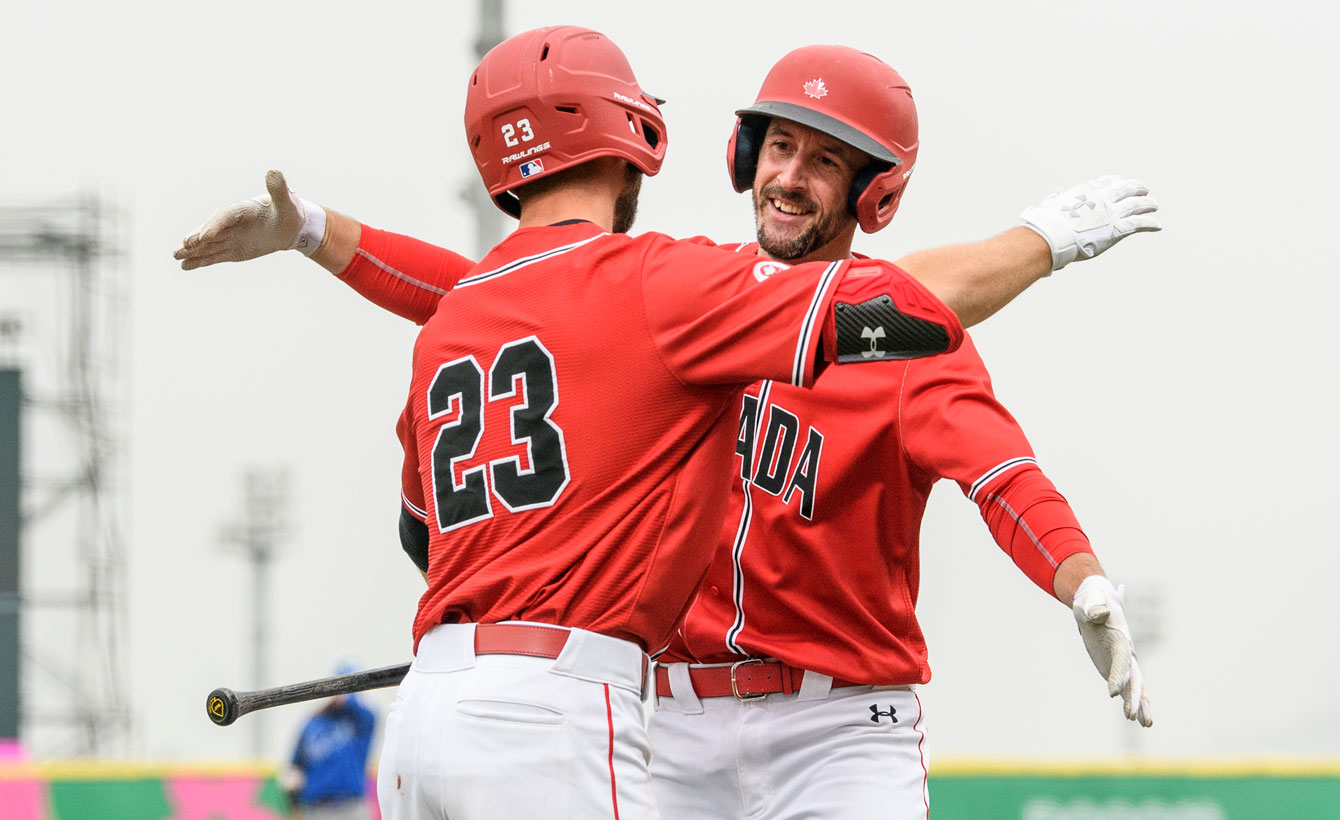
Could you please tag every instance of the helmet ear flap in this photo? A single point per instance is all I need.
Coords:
(742, 151)
(862, 183)
(509, 204)
(875, 195)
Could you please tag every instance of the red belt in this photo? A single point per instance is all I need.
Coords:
(746, 680)
(519, 639)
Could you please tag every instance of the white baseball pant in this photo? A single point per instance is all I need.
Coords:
(479, 736)
(851, 753)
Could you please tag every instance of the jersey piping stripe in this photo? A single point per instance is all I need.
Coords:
(401, 275)
(737, 596)
(921, 752)
(808, 326)
(742, 532)
(1003, 467)
(1037, 544)
(409, 505)
(524, 261)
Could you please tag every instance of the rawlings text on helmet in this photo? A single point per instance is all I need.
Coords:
(639, 103)
(535, 149)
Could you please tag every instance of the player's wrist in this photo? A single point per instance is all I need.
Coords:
(1052, 228)
(313, 230)
(1099, 583)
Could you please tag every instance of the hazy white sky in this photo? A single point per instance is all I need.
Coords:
(1180, 391)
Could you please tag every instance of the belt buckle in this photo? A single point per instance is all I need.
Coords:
(734, 687)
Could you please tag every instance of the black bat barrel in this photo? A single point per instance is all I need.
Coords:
(225, 706)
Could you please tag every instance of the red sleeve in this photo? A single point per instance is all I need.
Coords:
(953, 427)
(1032, 523)
(402, 274)
(411, 482)
(724, 317)
(414, 538)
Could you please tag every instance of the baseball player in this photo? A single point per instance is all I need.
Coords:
(688, 730)
(808, 689)
(327, 776)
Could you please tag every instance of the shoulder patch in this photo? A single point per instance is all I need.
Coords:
(875, 329)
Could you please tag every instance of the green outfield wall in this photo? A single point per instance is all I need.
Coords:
(1170, 792)
(959, 791)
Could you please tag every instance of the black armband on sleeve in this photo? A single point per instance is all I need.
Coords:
(414, 539)
(875, 329)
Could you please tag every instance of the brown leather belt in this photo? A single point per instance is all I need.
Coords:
(745, 680)
(519, 639)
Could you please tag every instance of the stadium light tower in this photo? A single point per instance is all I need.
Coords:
(259, 532)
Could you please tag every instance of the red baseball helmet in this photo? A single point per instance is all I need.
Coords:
(551, 98)
(849, 95)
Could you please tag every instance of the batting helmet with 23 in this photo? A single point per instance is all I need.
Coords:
(552, 98)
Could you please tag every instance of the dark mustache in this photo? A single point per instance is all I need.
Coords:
(775, 191)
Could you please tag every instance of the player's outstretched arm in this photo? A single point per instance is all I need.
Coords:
(397, 273)
(1100, 614)
(979, 278)
(275, 221)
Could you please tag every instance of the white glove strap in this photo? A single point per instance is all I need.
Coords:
(1098, 581)
(313, 228)
(1052, 227)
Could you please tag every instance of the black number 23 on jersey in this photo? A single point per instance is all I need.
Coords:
(459, 386)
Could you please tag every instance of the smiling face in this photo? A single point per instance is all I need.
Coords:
(800, 193)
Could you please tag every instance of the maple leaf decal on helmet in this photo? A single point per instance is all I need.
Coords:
(816, 89)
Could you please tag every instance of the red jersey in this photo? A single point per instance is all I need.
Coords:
(568, 433)
(818, 563)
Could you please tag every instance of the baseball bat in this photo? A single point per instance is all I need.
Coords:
(225, 706)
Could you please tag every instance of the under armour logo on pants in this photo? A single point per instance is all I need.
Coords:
(876, 714)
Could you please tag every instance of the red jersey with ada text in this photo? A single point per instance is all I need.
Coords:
(818, 563)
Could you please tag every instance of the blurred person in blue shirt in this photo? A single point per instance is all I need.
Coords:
(328, 776)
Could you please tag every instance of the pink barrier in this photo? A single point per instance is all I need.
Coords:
(24, 800)
(196, 798)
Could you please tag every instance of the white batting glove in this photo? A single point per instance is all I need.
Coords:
(1102, 625)
(1083, 221)
(275, 221)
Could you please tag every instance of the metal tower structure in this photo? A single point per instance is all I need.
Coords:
(62, 305)
(488, 219)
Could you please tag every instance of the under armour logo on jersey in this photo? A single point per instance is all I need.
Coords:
(876, 714)
(816, 89)
(873, 336)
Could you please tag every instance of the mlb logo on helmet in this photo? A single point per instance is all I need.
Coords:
(530, 169)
